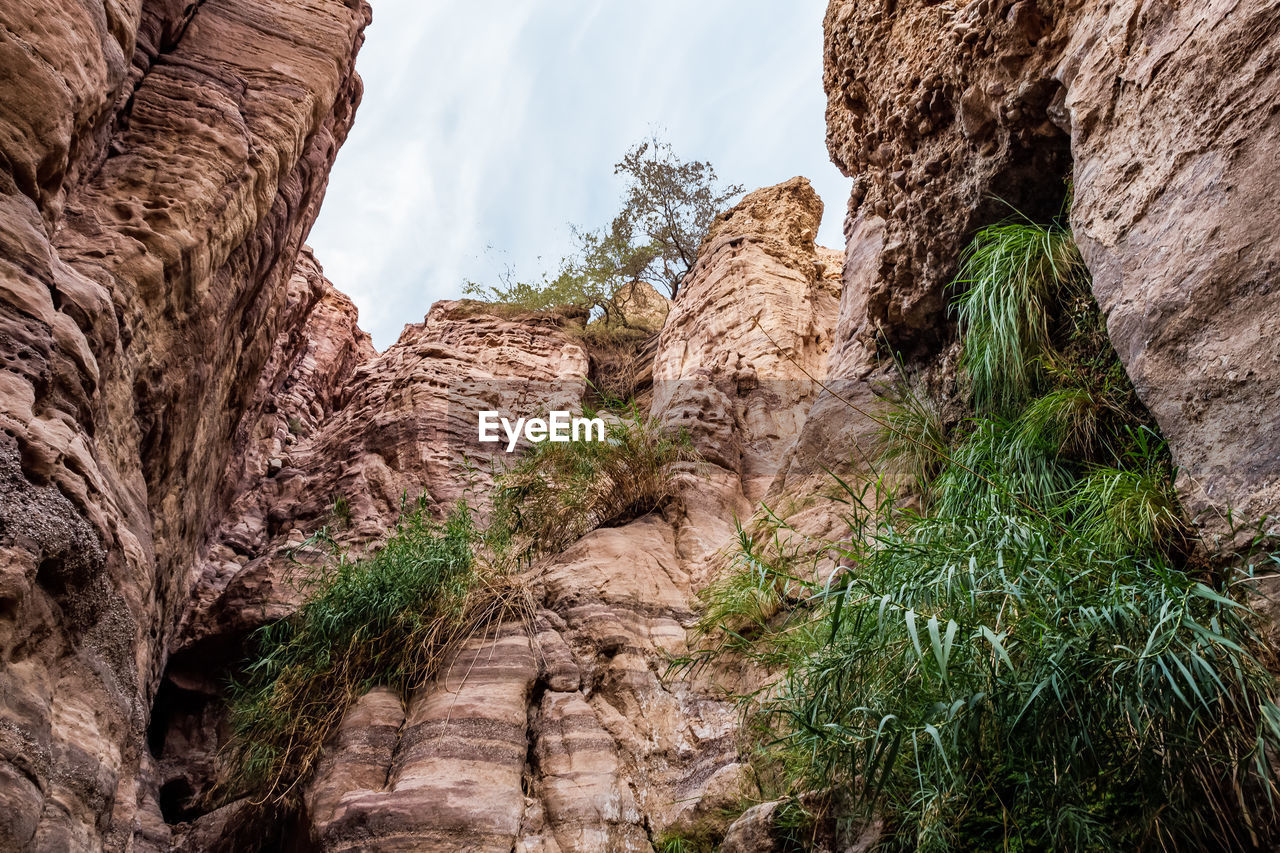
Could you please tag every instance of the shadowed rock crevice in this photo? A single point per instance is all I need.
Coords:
(932, 107)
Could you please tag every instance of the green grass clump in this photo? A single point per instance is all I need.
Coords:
(993, 680)
(341, 511)
(393, 617)
(914, 438)
(677, 842)
(756, 610)
(1012, 275)
(1130, 510)
(559, 492)
(1067, 419)
(1037, 658)
(386, 619)
(997, 467)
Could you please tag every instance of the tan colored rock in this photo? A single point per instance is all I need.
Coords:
(373, 431)
(642, 305)
(717, 807)
(360, 756)
(160, 165)
(183, 394)
(1175, 197)
(181, 400)
(753, 322)
(587, 800)
(1165, 119)
(752, 832)
(611, 746)
(454, 778)
(616, 750)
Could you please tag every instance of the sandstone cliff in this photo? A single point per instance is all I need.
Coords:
(160, 163)
(1163, 116)
(571, 739)
(183, 395)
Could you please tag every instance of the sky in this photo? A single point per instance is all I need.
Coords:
(489, 127)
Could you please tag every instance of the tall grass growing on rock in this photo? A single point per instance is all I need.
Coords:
(390, 618)
(990, 682)
(395, 616)
(559, 492)
(1011, 276)
(1039, 659)
(914, 438)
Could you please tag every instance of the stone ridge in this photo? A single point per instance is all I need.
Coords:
(744, 392)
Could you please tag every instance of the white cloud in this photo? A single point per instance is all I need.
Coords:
(494, 124)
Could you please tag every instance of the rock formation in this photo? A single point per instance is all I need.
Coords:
(370, 432)
(745, 341)
(184, 396)
(567, 740)
(160, 163)
(570, 740)
(1163, 116)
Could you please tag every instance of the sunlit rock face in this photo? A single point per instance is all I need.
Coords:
(575, 739)
(745, 346)
(160, 164)
(1164, 116)
(367, 431)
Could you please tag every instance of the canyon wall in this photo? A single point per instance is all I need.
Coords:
(575, 738)
(184, 396)
(160, 164)
(1166, 118)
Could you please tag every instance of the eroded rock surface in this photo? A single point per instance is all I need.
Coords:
(1164, 115)
(183, 395)
(353, 436)
(160, 164)
(576, 741)
(747, 340)
(404, 426)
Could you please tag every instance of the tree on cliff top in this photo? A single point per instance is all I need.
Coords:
(672, 204)
(667, 209)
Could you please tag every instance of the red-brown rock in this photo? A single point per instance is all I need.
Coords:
(160, 164)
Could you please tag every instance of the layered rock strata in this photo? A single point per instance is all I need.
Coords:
(745, 344)
(183, 395)
(573, 739)
(160, 164)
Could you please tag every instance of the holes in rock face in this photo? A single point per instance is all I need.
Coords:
(954, 187)
(183, 738)
(163, 711)
(175, 801)
(51, 575)
(1034, 182)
